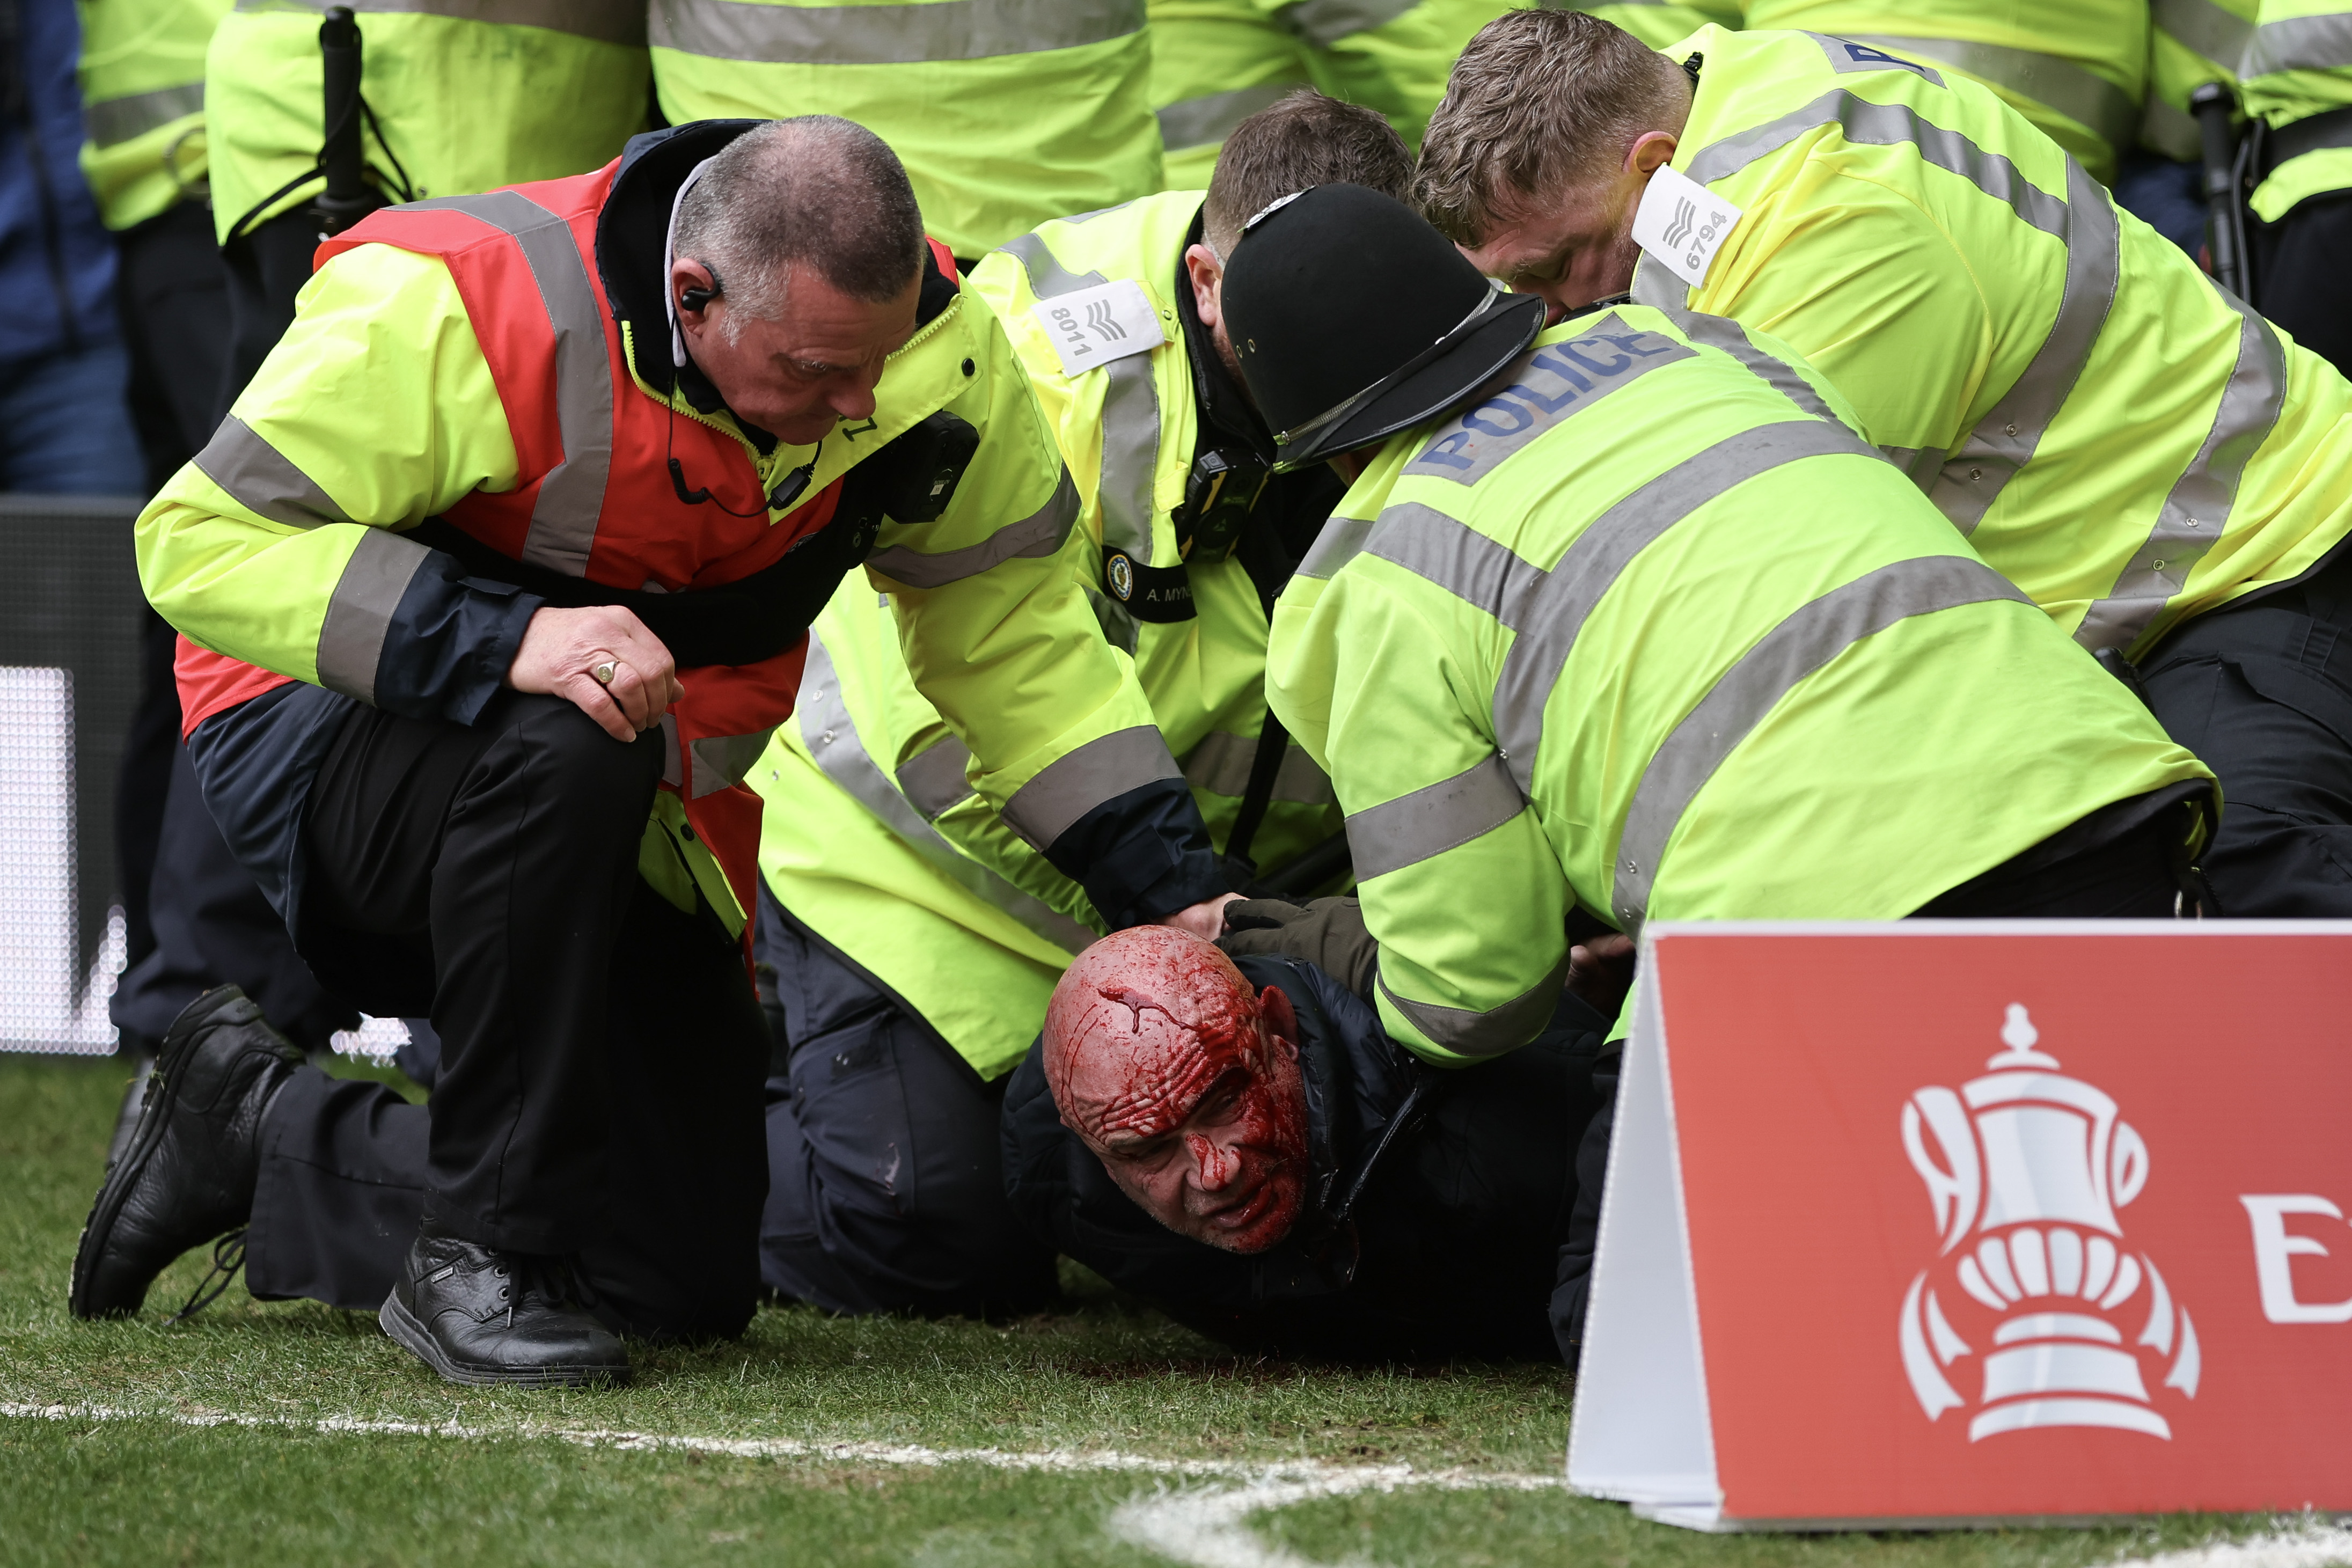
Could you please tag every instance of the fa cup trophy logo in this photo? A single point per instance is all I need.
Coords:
(2026, 1169)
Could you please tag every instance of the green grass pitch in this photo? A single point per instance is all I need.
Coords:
(283, 1432)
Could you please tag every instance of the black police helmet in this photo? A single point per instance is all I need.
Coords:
(1353, 319)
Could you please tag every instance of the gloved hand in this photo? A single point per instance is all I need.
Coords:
(1328, 933)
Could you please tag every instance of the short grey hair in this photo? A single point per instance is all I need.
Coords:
(818, 191)
(1539, 103)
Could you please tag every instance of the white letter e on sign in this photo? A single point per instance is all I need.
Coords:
(2274, 1250)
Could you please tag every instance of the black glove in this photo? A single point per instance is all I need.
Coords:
(1328, 933)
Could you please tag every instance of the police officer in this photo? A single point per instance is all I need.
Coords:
(2076, 68)
(1003, 124)
(914, 933)
(452, 101)
(2298, 83)
(483, 779)
(2133, 447)
(1214, 63)
(1649, 632)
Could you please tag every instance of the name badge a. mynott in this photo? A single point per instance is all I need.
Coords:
(1682, 223)
(1095, 326)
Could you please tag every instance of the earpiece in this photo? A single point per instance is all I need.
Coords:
(697, 298)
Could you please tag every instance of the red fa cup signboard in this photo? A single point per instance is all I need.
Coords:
(1947, 1222)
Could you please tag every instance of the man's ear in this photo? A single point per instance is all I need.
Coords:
(692, 289)
(1651, 150)
(1207, 274)
(1281, 1019)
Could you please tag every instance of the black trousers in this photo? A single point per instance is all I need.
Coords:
(171, 292)
(2131, 877)
(2299, 267)
(2262, 692)
(267, 267)
(886, 1191)
(602, 1051)
(208, 925)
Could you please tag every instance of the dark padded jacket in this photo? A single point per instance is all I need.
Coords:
(1437, 1203)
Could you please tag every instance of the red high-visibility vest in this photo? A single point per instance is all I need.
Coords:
(595, 499)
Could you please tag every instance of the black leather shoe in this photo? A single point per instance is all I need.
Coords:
(477, 1315)
(134, 1101)
(189, 1171)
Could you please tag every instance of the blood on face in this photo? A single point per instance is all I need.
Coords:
(1184, 1080)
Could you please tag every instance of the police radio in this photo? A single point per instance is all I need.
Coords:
(1220, 493)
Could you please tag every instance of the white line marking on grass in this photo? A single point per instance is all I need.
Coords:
(1052, 1460)
(1210, 1529)
(2298, 1543)
(1205, 1527)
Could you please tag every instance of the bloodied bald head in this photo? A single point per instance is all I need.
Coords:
(1184, 1080)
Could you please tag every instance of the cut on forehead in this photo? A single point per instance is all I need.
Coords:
(1143, 1000)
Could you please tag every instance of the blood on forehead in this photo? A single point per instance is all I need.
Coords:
(1144, 1023)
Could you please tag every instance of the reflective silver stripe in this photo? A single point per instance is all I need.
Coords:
(114, 121)
(2198, 509)
(886, 35)
(1221, 764)
(1872, 124)
(1796, 649)
(2086, 223)
(1920, 465)
(1068, 787)
(607, 21)
(2004, 441)
(720, 762)
(1457, 557)
(2304, 43)
(1130, 416)
(833, 740)
(1323, 22)
(1036, 536)
(571, 493)
(2218, 35)
(1498, 1029)
(1338, 543)
(1655, 287)
(933, 778)
(264, 480)
(2171, 132)
(1433, 819)
(359, 614)
(1549, 609)
(2082, 97)
(1198, 122)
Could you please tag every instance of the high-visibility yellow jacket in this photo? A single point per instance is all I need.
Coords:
(874, 838)
(508, 92)
(1390, 55)
(2077, 68)
(1659, 23)
(2121, 439)
(2194, 42)
(2299, 64)
(143, 93)
(379, 409)
(1653, 632)
(1006, 112)
(1214, 63)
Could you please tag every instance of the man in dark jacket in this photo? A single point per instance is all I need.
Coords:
(1242, 1144)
